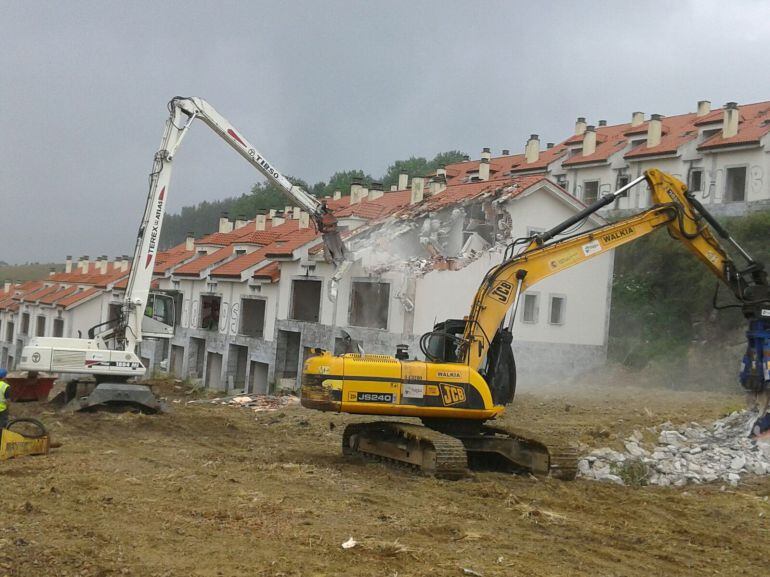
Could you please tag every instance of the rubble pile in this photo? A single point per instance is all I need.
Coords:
(257, 403)
(692, 453)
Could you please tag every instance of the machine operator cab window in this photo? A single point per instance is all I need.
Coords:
(158, 318)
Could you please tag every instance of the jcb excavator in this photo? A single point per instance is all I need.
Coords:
(469, 373)
(110, 356)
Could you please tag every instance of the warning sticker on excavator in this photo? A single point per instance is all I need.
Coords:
(413, 391)
(592, 247)
(565, 260)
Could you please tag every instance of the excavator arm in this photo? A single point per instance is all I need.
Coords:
(674, 208)
(182, 112)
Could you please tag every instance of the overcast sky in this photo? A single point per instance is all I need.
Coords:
(324, 86)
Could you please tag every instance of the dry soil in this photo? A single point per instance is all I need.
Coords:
(211, 490)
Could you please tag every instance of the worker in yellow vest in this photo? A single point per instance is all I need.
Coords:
(5, 393)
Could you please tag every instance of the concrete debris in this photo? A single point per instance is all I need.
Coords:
(691, 454)
(257, 403)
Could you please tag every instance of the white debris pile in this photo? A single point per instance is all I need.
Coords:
(692, 453)
(257, 403)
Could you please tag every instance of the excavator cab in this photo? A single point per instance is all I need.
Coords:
(445, 345)
(159, 316)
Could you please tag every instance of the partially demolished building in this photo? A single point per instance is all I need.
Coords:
(254, 298)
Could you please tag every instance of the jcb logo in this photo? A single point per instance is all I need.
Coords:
(452, 394)
(502, 292)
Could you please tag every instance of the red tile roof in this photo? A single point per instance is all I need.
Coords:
(166, 260)
(545, 158)
(61, 292)
(609, 140)
(260, 237)
(288, 237)
(271, 272)
(198, 265)
(95, 279)
(33, 296)
(754, 124)
(372, 209)
(285, 246)
(74, 299)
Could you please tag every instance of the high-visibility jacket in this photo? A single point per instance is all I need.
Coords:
(4, 392)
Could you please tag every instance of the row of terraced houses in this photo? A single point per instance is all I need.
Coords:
(252, 299)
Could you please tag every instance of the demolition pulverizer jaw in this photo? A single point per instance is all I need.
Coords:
(761, 426)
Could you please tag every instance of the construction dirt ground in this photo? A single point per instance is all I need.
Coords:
(214, 490)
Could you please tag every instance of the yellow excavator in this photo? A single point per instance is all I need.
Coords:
(469, 374)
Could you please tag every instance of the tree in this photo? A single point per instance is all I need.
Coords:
(419, 166)
(342, 180)
(203, 218)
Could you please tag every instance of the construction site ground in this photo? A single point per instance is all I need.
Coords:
(212, 490)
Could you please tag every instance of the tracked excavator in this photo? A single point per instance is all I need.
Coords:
(469, 374)
(109, 354)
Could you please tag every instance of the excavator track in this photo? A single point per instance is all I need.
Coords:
(415, 446)
(561, 456)
(446, 451)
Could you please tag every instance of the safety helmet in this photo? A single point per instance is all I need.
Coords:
(3, 372)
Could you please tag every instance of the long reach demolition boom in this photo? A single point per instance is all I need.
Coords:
(113, 364)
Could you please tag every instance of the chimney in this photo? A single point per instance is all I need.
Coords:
(295, 211)
(637, 119)
(602, 123)
(260, 220)
(485, 153)
(7, 286)
(101, 264)
(393, 188)
(224, 223)
(730, 123)
(337, 195)
(589, 141)
(484, 169)
(436, 185)
(355, 191)
(704, 107)
(580, 126)
(189, 241)
(375, 191)
(83, 264)
(549, 146)
(506, 152)
(272, 213)
(466, 158)
(240, 221)
(125, 263)
(278, 219)
(304, 219)
(654, 130)
(52, 271)
(441, 172)
(68, 264)
(532, 150)
(418, 190)
(403, 181)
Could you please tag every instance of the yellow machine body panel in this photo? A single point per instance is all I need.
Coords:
(13, 444)
(384, 385)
